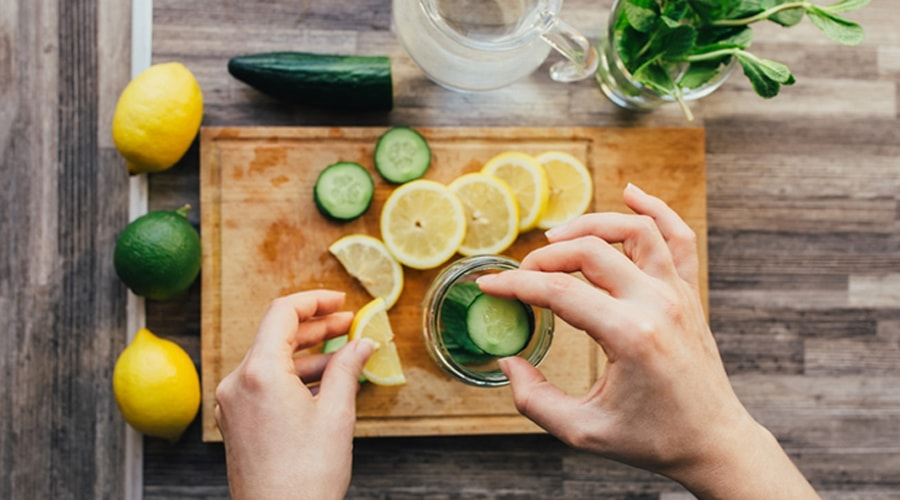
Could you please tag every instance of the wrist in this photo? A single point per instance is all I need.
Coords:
(745, 462)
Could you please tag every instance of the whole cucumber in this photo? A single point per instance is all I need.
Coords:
(326, 80)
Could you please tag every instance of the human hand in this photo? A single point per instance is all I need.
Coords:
(283, 439)
(664, 402)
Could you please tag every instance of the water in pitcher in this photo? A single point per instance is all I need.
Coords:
(474, 44)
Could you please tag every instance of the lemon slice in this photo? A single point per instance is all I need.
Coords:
(422, 224)
(369, 261)
(371, 321)
(492, 213)
(527, 180)
(571, 188)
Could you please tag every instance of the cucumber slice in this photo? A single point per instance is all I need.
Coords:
(344, 191)
(335, 343)
(453, 315)
(402, 155)
(498, 326)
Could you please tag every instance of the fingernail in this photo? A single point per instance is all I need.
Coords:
(553, 232)
(633, 187)
(485, 278)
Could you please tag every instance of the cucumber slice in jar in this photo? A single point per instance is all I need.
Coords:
(344, 191)
(402, 155)
(501, 327)
(453, 318)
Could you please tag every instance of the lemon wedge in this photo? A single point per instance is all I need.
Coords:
(383, 367)
(571, 188)
(492, 213)
(422, 224)
(368, 260)
(528, 182)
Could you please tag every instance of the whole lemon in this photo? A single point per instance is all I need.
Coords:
(157, 117)
(156, 386)
(158, 255)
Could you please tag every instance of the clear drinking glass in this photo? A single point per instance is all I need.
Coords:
(486, 373)
(470, 45)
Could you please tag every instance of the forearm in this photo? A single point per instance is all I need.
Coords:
(753, 466)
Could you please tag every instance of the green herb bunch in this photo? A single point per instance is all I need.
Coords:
(670, 46)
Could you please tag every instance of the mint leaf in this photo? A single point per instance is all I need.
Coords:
(746, 8)
(786, 18)
(835, 27)
(629, 45)
(765, 76)
(700, 73)
(657, 78)
(776, 71)
(641, 16)
(678, 41)
(736, 35)
(715, 9)
(676, 10)
(845, 5)
(740, 39)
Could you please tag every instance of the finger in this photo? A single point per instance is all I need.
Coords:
(280, 331)
(316, 330)
(597, 260)
(536, 398)
(680, 238)
(310, 367)
(640, 238)
(575, 301)
(340, 381)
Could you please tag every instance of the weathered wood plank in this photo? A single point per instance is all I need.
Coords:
(64, 198)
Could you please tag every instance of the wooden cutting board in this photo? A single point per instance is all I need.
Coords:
(263, 238)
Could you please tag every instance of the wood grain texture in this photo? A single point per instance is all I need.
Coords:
(63, 201)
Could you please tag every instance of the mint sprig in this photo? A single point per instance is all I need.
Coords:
(673, 46)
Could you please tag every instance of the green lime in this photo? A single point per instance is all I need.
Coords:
(158, 254)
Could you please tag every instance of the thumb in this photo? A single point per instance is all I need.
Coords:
(536, 398)
(340, 381)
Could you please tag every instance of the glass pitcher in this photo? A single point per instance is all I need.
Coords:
(470, 45)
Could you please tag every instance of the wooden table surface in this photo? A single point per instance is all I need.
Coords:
(804, 246)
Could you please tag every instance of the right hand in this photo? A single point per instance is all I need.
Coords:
(664, 402)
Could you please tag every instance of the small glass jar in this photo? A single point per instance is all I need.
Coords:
(482, 371)
(621, 87)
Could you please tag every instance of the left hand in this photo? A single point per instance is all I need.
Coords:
(282, 439)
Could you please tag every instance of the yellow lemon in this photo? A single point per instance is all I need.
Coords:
(492, 213)
(156, 386)
(527, 180)
(383, 367)
(422, 224)
(369, 261)
(157, 117)
(571, 188)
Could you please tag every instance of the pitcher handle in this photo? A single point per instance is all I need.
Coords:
(581, 57)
